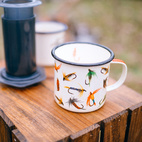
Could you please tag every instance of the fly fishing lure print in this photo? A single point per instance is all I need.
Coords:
(59, 100)
(74, 101)
(102, 100)
(57, 67)
(81, 91)
(75, 56)
(105, 83)
(92, 98)
(104, 70)
(69, 77)
(90, 74)
(58, 84)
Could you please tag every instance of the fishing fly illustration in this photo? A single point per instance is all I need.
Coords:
(105, 83)
(59, 100)
(91, 97)
(74, 102)
(90, 74)
(102, 100)
(79, 90)
(57, 67)
(104, 70)
(69, 77)
(74, 55)
(58, 85)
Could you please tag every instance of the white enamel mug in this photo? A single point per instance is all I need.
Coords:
(48, 35)
(81, 75)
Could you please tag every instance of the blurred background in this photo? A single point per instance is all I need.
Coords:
(115, 24)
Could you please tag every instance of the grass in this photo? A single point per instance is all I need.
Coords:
(117, 23)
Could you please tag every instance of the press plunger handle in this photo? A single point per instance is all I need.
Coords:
(18, 24)
(18, 13)
(19, 9)
(123, 75)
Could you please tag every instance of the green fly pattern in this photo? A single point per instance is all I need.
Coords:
(90, 74)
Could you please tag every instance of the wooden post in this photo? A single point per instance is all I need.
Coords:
(5, 128)
(90, 134)
(134, 130)
(17, 136)
(113, 128)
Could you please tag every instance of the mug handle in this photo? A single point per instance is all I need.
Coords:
(122, 77)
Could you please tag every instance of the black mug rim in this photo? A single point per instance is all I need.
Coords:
(81, 64)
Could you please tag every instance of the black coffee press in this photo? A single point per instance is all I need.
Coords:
(19, 44)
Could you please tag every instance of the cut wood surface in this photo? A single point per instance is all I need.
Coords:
(135, 123)
(17, 136)
(36, 115)
(114, 127)
(5, 128)
(89, 134)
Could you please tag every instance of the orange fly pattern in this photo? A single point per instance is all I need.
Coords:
(91, 97)
(58, 85)
(57, 67)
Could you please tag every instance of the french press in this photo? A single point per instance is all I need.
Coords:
(18, 24)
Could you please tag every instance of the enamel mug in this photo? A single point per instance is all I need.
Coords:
(48, 35)
(81, 75)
